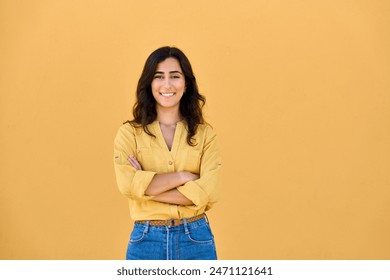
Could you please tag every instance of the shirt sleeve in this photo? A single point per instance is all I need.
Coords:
(132, 183)
(204, 192)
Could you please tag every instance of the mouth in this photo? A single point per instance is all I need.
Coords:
(167, 94)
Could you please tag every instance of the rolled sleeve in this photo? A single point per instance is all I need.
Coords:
(204, 192)
(132, 183)
(195, 193)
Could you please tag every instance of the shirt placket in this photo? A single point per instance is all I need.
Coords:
(170, 157)
(171, 168)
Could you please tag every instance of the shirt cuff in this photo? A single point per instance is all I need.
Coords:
(141, 182)
(194, 192)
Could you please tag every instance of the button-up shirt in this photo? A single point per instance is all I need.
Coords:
(155, 158)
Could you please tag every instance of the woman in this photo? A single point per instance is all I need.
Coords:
(167, 163)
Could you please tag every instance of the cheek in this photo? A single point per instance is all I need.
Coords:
(155, 89)
(153, 85)
(180, 86)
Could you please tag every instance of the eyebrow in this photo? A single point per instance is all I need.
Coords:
(170, 72)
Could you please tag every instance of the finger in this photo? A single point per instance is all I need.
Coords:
(134, 162)
(138, 166)
(130, 158)
(196, 175)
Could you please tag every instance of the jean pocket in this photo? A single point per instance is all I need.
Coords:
(138, 234)
(201, 235)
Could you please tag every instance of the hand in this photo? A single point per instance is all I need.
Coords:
(134, 162)
(190, 176)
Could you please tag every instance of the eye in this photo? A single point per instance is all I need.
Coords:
(176, 77)
(158, 77)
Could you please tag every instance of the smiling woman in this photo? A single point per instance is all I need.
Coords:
(168, 85)
(167, 163)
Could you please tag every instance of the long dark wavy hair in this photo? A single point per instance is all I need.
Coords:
(191, 104)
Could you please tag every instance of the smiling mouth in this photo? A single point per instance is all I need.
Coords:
(167, 94)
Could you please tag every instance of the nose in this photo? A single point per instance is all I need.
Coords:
(167, 83)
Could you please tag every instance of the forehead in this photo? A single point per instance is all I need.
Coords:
(168, 65)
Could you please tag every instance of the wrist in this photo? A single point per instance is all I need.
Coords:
(185, 176)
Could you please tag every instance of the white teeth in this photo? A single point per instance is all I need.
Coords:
(167, 94)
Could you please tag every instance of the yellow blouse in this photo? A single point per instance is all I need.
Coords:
(155, 157)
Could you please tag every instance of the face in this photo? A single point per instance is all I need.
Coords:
(168, 84)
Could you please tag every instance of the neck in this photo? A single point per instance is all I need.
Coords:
(168, 117)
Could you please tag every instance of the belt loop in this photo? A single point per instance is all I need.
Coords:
(185, 226)
(206, 218)
(146, 226)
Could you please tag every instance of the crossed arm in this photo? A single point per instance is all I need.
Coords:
(163, 186)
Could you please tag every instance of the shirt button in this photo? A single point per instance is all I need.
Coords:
(170, 162)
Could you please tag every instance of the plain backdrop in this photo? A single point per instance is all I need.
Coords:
(298, 92)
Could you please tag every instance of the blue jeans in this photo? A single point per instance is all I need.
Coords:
(189, 241)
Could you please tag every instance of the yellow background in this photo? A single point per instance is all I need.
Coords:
(298, 91)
